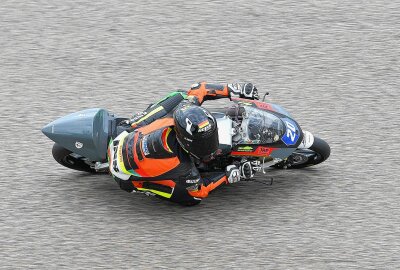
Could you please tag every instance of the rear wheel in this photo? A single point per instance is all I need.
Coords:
(301, 158)
(71, 160)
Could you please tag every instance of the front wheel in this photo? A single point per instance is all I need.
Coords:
(71, 160)
(301, 158)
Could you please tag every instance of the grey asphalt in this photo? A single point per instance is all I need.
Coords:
(334, 65)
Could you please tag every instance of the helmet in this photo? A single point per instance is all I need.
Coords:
(196, 130)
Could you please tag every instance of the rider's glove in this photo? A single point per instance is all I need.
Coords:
(243, 90)
(233, 174)
(248, 169)
(245, 171)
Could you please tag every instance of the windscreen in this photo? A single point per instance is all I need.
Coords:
(260, 126)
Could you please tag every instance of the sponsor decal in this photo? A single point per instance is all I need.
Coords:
(245, 103)
(258, 104)
(192, 181)
(204, 126)
(292, 132)
(115, 161)
(119, 151)
(138, 116)
(145, 147)
(261, 150)
(78, 145)
(263, 105)
(245, 149)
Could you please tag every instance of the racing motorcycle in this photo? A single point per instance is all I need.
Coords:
(247, 129)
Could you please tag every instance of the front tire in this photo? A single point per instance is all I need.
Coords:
(71, 160)
(318, 152)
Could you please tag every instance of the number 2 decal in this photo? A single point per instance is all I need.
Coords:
(292, 132)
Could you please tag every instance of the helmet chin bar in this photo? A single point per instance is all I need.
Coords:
(210, 156)
(183, 147)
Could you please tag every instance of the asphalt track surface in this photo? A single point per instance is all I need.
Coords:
(333, 65)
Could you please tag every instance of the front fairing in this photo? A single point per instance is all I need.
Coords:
(266, 130)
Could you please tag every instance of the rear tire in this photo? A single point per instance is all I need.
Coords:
(301, 158)
(71, 160)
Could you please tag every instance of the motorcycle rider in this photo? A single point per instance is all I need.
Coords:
(157, 153)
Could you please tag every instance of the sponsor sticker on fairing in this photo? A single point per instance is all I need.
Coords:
(245, 149)
(78, 145)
